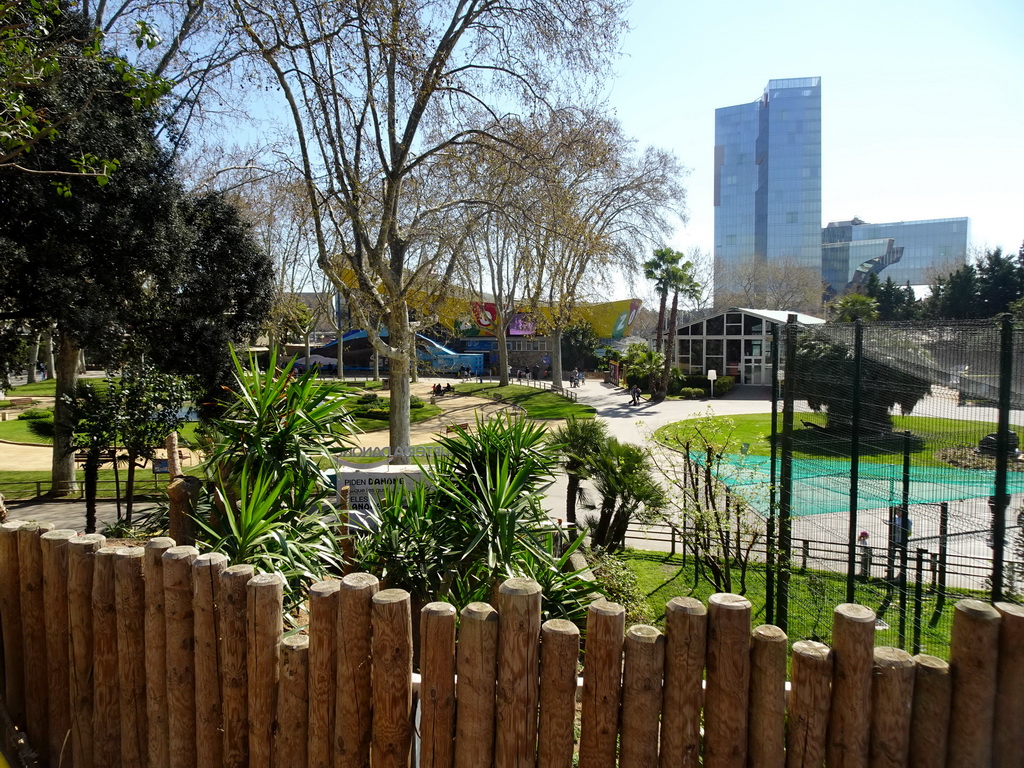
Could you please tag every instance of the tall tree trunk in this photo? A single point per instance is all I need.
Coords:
(305, 338)
(652, 379)
(63, 462)
(670, 345)
(401, 337)
(33, 359)
(376, 365)
(572, 490)
(48, 358)
(340, 354)
(556, 358)
(129, 488)
(501, 334)
(92, 473)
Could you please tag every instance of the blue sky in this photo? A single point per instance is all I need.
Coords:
(922, 103)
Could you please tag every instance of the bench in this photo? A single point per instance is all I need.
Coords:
(456, 427)
(20, 401)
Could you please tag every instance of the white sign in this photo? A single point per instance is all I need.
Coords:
(365, 485)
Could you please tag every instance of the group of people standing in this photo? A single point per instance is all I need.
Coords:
(576, 378)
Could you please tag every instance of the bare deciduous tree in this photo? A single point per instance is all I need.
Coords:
(783, 284)
(382, 94)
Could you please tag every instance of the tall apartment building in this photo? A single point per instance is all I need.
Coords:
(768, 203)
(768, 180)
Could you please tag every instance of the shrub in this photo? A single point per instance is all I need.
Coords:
(369, 397)
(36, 413)
(723, 385)
(692, 393)
(415, 402)
(375, 413)
(618, 581)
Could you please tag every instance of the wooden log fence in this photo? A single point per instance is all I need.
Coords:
(158, 656)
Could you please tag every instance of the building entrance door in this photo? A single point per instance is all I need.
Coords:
(754, 372)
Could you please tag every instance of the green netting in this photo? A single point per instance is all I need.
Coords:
(822, 486)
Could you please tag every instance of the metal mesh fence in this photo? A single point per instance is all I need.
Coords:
(898, 482)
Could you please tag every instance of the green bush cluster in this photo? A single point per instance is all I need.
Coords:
(33, 414)
(680, 381)
(369, 397)
(619, 582)
(692, 393)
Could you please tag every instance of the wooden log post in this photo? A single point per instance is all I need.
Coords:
(559, 658)
(291, 744)
(106, 679)
(323, 662)
(809, 704)
(929, 719)
(602, 684)
(726, 700)
(234, 674)
(767, 741)
(348, 547)
(55, 601)
(10, 614)
(353, 703)
(206, 571)
(391, 684)
(156, 651)
(686, 631)
(81, 554)
(973, 665)
(476, 664)
(130, 606)
(265, 609)
(1009, 710)
(892, 694)
(181, 680)
(33, 627)
(853, 642)
(173, 459)
(642, 673)
(519, 603)
(437, 686)
(182, 493)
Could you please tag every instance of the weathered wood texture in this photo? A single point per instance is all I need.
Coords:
(726, 701)
(973, 664)
(519, 602)
(642, 674)
(81, 554)
(323, 663)
(264, 611)
(891, 705)
(206, 571)
(353, 703)
(156, 652)
(105, 676)
(767, 740)
(809, 701)
(476, 664)
(181, 678)
(437, 686)
(686, 630)
(234, 659)
(33, 626)
(54, 547)
(559, 659)
(602, 685)
(292, 741)
(853, 642)
(391, 687)
(129, 598)
(929, 720)
(1008, 744)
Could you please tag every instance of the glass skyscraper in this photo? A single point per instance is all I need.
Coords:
(768, 180)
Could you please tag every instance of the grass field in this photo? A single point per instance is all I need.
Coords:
(24, 485)
(538, 403)
(813, 596)
(17, 431)
(928, 434)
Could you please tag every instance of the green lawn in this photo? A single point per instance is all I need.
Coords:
(23, 485)
(813, 596)
(17, 431)
(538, 403)
(416, 415)
(928, 435)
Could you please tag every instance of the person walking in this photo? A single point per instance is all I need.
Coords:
(635, 392)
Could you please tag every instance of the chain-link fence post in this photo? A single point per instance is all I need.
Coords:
(786, 479)
(851, 565)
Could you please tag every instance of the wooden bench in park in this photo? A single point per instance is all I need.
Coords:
(22, 401)
(456, 427)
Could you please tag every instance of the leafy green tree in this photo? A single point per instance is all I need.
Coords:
(984, 289)
(146, 407)
(854, 306)
(642, 363)
(95, 434)
(579, 343)
(657, 270)
(133, 266)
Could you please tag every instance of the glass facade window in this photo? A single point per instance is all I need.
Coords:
(767, 192)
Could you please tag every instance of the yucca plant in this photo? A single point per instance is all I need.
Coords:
(579, 441)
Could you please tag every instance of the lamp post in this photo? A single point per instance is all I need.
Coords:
(712, 376)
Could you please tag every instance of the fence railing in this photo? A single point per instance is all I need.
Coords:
(162, 656)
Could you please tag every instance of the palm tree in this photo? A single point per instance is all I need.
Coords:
(624, 477)
(680, 281)
(580, 441)
(854, 306)
(657, 269)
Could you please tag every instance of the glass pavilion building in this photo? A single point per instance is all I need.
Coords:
(768, 179)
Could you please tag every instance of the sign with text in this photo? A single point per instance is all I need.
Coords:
(365, 485)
